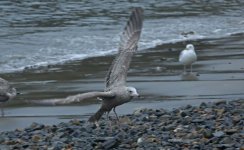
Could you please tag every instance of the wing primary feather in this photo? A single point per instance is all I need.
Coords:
(117, 73)
(73, 98)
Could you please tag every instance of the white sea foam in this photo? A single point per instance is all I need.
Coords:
(57, 47)
(60, 58)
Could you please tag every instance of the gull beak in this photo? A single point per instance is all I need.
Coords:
(136, 95)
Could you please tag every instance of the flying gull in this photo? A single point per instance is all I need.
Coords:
(116, 92)
(6, 93)
(188, 56)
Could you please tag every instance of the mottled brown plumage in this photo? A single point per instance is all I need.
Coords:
(117, 74)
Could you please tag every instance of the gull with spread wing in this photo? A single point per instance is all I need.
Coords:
(116, 92)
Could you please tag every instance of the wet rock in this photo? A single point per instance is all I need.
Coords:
(152, 117)
(226, 140)
(221, 102)
(140, 140)
(76, 134)
(111, 143)
(189, 107)
(180, 141)
(183, 114)
(4, 147)
(203, 105)
(236, 119)
(218, 134)
(25, 146)
(58, 145)
(2, 138)
(178, 129)
(159, 113)
(224, 146)
(169, 127)
(197, 120)
(238, 111)
(36, 138)
(220, 112)
(139, 111)
(231, 131)
(76, 122)
(176, 111)
(36, 126)
(208, 134)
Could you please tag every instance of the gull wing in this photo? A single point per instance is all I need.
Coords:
(4, 86)
(181, 54)
(72, 99)
(3, 98)
(117, 73)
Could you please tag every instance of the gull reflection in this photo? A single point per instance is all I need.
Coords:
(189, 76)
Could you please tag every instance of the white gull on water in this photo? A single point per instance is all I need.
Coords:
(116, 92)
(188, 56)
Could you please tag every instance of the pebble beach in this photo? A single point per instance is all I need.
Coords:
(214, 125)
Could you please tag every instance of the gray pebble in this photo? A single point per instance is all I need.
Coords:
(218, 134)
(111, 143)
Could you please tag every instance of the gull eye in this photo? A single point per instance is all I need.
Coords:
(130, 91)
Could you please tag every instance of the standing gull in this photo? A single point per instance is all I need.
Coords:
(6, 93)
(116, 92)
(188, 56)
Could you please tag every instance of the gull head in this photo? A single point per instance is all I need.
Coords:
(189, 47)
(11, 93)
(132, 91)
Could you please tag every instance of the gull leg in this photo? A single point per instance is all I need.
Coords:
(107, 116)
(191, 68)
(116, 114)
(108, 120)
(184, 69)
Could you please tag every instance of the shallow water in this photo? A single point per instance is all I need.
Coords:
(155, 72)
(34, 34)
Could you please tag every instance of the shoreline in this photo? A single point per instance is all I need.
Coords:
(21, 118)
(210, 125)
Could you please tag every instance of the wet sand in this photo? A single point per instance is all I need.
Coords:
(156, 73)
